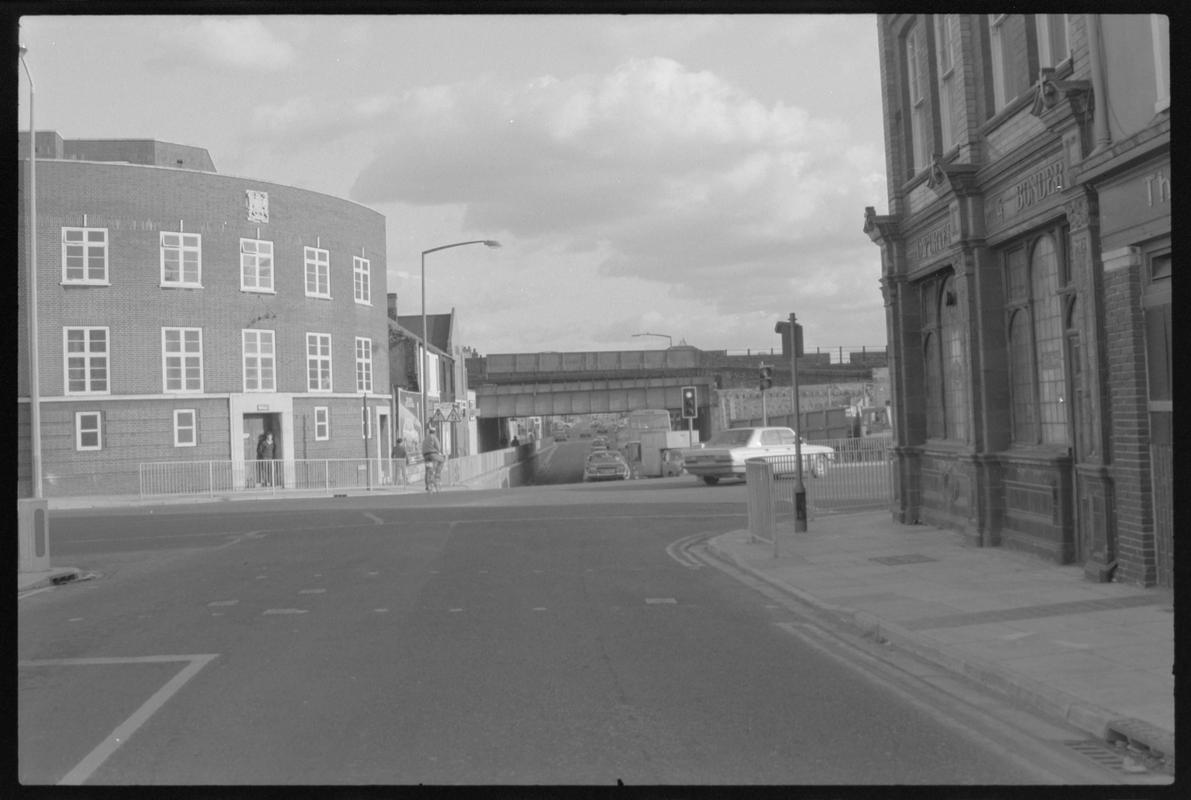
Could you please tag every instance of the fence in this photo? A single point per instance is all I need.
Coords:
(326, 474)
(858, 476)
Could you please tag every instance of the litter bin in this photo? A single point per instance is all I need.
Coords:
(33, 529)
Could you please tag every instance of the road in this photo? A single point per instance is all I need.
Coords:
(546, 635)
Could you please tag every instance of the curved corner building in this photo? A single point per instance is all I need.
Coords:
(183, 313)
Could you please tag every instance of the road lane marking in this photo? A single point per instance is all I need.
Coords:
(311, 591)
(654, 601)
(92, 761)
(540, 608)
(677, 550)
(285, 611)
(454, 610)
(380, 611)
(223, 602)
(375, 519)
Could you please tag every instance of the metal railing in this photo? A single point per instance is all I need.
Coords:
(758, 475)
(161, 478)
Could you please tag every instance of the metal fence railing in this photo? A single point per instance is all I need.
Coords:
(758, 474)
(857, 476)
(162, 478)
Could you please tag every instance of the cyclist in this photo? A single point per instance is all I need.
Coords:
(433, 458)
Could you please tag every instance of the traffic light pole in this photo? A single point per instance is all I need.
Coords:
(799, 488)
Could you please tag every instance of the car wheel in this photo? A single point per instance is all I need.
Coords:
(710, 480)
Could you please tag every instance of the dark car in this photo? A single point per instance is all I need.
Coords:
(605, 465)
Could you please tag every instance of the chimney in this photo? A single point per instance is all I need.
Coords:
(392, 306)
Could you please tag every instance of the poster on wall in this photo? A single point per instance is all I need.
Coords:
(409, 415)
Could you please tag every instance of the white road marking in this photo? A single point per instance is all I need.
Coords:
(454, 610)
(374, 518)
(540, 608)
(223, 602)
(30, 593)
(380, 610)
(1012, 637)
(311, 591)
(75, 619)
(92, 761)
(285, 611)
(1078, 645)
(654, 601)
(261, 577)
(677, 551)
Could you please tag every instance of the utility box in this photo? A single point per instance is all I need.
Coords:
(33, 530)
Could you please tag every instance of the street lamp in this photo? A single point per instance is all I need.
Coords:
(669, 338)
(31, 293)
(425, 333)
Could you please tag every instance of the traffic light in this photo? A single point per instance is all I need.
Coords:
(766, 377)
(783, 328)
(690, 403)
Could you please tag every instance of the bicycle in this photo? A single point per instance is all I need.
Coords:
(433, 471)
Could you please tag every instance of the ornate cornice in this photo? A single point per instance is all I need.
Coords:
(949, 176)
(1050, 94)
(880, 228)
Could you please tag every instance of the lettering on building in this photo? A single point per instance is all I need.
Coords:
(934, 242)
(1040, 185)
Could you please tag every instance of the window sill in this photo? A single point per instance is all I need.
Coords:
(252, 290)
(84, 284)
(164, 285)
(318, 297)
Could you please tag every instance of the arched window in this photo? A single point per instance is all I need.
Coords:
(1035, 324)
(954, 361)
(1048, 341)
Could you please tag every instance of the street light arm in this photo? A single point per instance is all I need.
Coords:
(485, 242)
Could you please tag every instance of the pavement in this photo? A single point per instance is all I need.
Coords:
(1098, 655)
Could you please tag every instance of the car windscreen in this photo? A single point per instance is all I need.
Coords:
(734, 437)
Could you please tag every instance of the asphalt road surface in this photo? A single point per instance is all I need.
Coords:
(546, 635)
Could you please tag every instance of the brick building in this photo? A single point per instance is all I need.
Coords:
(182, 313)
(1026, 263)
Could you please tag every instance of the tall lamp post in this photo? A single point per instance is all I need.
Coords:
(669, 338)
(31, 293)
(425, 333)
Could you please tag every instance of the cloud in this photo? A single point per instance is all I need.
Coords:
(672, 177)
(240, 42)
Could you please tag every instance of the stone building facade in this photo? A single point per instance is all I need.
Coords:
(1026, 262)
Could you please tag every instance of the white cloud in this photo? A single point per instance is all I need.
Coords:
(242, 42)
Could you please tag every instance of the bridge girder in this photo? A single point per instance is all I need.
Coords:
(587, 396)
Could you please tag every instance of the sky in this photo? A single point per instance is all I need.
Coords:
(694, 176)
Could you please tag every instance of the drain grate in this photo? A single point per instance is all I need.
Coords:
(910, 558)
(1099, 752)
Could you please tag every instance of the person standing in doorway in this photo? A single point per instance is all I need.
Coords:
(265, 450)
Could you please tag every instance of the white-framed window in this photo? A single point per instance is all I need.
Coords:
(185, 427)
(181, 259)
(432, 372)
(362, 280)
(996, 37)
(919, 110)
(363, 364)
(1053, 39)
(85, 256)
(260, 362)
(88, 430)
(1007, 38)
(256, 265)
(182, 359)
(318, 272)
(365, 423)
(945, 48)
(85, 360)
(322, 423)
(1160, 30)
(318, 362)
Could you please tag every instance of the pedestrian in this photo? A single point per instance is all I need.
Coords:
(515, 442)
(400, 459)
(265, 449)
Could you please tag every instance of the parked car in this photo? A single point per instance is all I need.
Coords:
(599, 443)
(605, 465)
(724, 454)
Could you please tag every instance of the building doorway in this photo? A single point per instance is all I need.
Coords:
(264, 472)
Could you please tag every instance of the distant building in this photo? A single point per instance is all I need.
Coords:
(183, 313)
(1027, 268)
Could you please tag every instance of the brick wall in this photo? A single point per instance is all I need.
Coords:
(1128, 401)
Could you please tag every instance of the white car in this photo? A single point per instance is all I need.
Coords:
(724, 455)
